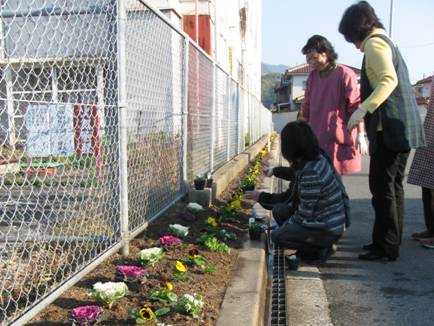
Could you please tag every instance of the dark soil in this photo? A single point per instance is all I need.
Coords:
(211, 285)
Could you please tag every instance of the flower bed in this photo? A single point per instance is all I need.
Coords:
(174, 276)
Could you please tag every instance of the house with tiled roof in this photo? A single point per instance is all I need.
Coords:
(422, 89)
(290, 92)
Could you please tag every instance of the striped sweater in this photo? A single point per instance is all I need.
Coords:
(320, 198)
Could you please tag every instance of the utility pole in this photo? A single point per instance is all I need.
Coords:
(390, 18)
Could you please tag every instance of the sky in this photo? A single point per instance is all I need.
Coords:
(287, 24)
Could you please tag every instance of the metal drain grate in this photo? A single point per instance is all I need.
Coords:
(278, 289)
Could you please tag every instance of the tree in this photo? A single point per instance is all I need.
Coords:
(268, 83)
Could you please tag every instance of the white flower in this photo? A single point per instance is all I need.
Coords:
(178, 229)
(108, 292)
(109, 288)
(150, 255)
(191, 304)
(188, 297)
(194, 207)
(151, 251)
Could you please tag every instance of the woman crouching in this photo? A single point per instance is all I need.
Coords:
(311, 215)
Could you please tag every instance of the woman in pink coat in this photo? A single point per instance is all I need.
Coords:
(331, 96)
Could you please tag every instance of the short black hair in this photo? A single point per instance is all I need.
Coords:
(321, 45)
(299, 142)
(358, 21)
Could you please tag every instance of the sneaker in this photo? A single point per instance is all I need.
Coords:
(427, 243)
(422, 235)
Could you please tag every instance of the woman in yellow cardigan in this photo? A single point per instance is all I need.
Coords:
(392, 121)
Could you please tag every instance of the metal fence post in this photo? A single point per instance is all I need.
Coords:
(213, 114)
(229, 97)
(185, 117)
(238, 119)
(123, 135)
(10, 107)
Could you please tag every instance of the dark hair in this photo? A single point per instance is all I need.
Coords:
(299, 142)
(358, 21)
(321, 45)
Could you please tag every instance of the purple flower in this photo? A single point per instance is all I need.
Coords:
(85, 315)
(170, 241)
(130, 273)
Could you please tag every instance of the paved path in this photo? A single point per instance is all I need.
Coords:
(380, 293)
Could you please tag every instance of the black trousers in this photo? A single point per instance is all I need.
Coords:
(428, 208)
(386, 174)
(295, 236)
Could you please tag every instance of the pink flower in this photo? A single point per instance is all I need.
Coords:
(86, 315)
(130, 272)
(170, 241)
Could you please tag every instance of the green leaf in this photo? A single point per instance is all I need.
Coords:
(162, 311)
(209, 269)
(172, 296)
(134, 312)
(140, 320)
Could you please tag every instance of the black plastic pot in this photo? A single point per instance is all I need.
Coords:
(199, 184)
(209, 183)
(255, 234)
(248, 188)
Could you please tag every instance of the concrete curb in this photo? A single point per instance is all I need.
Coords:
(244, 301)
(307, 302)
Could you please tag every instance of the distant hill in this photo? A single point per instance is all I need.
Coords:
(269, 81)
(268, 69)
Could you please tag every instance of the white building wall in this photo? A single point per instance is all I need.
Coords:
(426, 90)
(230, 50)
(253, 46)
(298, 86)
(237, 55)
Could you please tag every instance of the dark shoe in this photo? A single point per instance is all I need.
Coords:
(369, 246)
(372, 255)
(292, 262)
(428, 243)
(326, 253)
(307, 255)
(422, 235)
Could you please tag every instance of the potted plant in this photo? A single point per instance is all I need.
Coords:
(255, 231)
(209, 180)
(199, 182)
(248, 183)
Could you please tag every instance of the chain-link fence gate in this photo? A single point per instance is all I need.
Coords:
(106, 110)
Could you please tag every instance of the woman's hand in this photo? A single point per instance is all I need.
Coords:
(252, 195)
(356, 118)
(268, 172)
(361, 141)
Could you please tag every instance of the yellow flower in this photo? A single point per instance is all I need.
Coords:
(147, 313)
(211, 221)
(180, 267)
(235, 204)
(169, 286)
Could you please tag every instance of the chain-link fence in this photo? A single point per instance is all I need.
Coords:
(106, 111)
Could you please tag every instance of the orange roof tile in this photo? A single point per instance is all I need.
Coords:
(305, 69)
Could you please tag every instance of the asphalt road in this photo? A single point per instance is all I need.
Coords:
(380, 293)
(377, 293)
